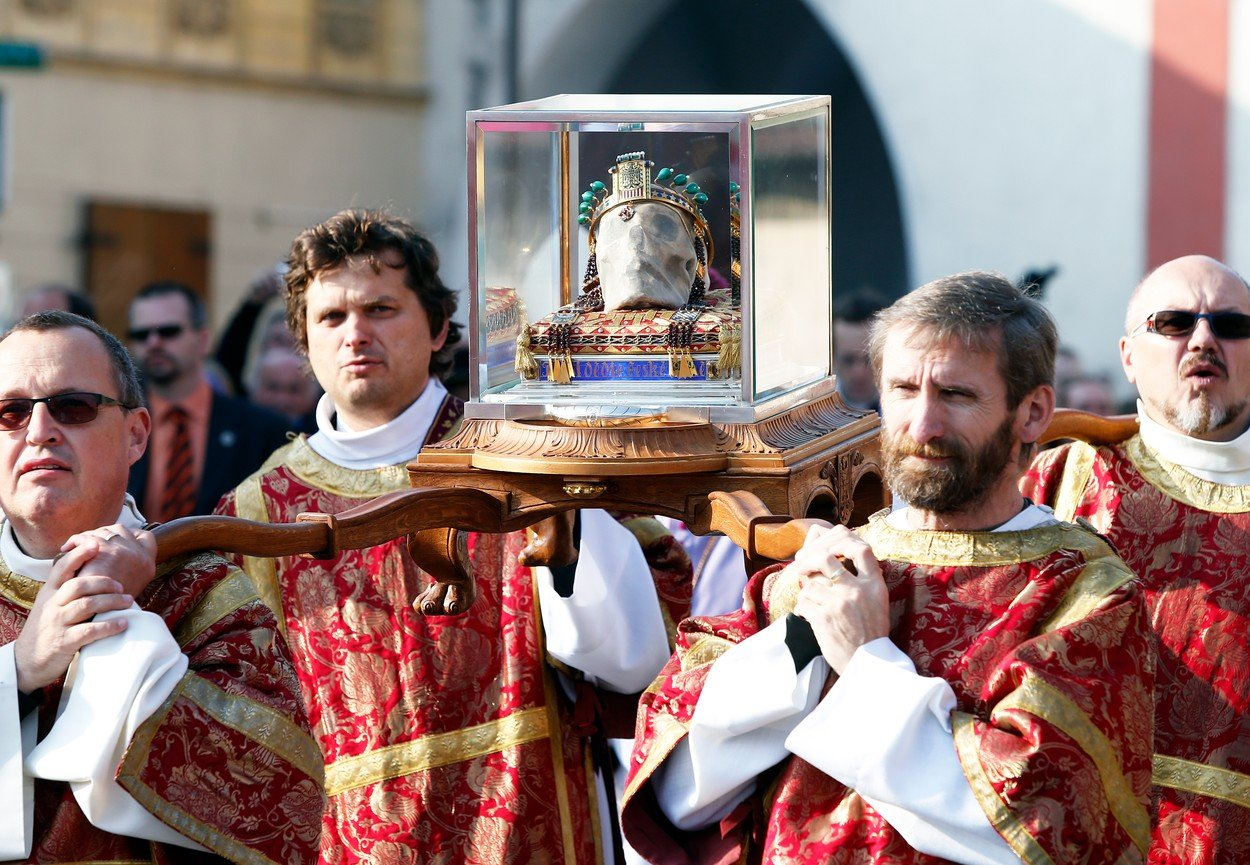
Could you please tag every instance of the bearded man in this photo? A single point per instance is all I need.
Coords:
(446, 739)
(1175, 501)
(975, 687)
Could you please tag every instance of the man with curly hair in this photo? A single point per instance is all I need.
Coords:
(446, 739)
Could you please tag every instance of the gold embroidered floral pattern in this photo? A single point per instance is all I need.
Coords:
(1006, 822)
(1038, 698)
(973, 549)
(17, 588)
(1184, 487)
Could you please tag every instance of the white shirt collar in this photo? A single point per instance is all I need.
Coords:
(1221, 462)
(394, 442)
(40, 569)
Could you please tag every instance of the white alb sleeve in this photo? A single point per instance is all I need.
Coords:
(750, 702)
(884, 731)
(112, 687)
(17, 789)
(611, 627)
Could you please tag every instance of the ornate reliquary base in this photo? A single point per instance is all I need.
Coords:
(818, 459)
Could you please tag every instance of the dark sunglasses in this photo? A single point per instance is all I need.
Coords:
(1176, 322)
(164, 331)
(66, 408)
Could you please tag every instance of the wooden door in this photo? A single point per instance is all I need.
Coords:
(130, 245)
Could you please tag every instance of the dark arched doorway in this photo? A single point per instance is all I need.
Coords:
(745, 46)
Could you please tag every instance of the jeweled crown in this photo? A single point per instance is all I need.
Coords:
(632, 182)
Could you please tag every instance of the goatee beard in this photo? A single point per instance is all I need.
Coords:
(954, 485)
(1202, 416)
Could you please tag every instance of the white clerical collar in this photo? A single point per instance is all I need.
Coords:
(1220, 462)
(40, 569)
(1031, 517)
(393, 442)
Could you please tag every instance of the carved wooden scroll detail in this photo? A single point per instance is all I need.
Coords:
(790, 430)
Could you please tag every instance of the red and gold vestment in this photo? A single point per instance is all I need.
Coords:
(1188, 539)
(1042, 637)
(446, 739)
(228, 760)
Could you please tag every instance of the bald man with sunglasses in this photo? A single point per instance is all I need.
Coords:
(144, 712)
(1175, 501)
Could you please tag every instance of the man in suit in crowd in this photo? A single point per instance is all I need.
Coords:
(203, 443)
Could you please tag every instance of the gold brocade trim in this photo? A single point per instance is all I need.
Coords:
(107, 862)
(556, 743)
(260, 723)
(783, 595)
(249, 504)
(221, 600)
(1042, 700)
(1199, 778)
(705, 650)
(665, 734)
(995, 808)
(1188, 489)
(1102, 574)
(317, 471)
(1076, 472)
(646, 530)
(17, 588)
(973, 549)
(128, 776)
(436, 749)
(1099, 578)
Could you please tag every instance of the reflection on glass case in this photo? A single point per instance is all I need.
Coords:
(646, 255)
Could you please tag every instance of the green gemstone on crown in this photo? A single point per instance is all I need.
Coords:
(680, 180)
(692, 188)
(588, 196)
(583, 219)
(664, 174)
(597, 186)
(701, 197)
(584, 207)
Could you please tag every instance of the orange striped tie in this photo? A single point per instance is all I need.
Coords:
(179, 496)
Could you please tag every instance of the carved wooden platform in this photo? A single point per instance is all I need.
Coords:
(818, 461)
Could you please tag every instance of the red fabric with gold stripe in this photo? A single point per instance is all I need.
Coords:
(1189, 540)
(202, 763)
(1043, 642)
(446, 739)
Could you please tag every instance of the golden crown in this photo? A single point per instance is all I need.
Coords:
(632, 182)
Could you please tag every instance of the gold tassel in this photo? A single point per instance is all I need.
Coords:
(681, 363)
(729, 360)
(561, 368)
(525, 365)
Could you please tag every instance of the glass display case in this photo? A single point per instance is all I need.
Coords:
(589, 300)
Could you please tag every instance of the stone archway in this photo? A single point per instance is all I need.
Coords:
(744, 46)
